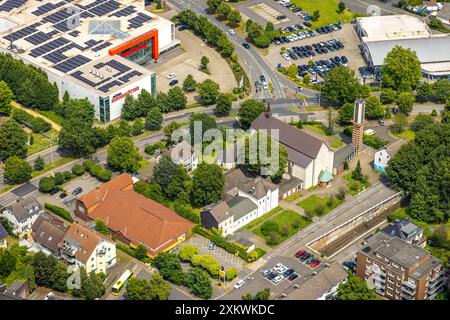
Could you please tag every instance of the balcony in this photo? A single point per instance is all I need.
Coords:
(436, 277)
(434, 288)
(409, 285)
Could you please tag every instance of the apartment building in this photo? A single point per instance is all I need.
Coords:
(399, 270)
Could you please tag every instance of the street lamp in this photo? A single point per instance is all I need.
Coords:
(51, 146)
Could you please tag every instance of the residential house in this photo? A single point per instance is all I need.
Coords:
(48, 232)
(381, 159)
(3, 236)
(246, 198)
(22, 214)
(406, 230)
(183, 153)
(322, 286)
(82, 247)
(133, 218)
(308, 156)
(399, 270)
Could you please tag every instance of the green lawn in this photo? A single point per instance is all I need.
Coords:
(328, 11)
(354, 186)
(406, 134)
(52, 115)
(293, 197)
(266, 216)
(319, 206)
(42, 141)
(57, 163)
(286, 221)
(333, 141)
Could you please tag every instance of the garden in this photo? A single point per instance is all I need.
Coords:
(329, 11)
(281, 227)
(317, 206)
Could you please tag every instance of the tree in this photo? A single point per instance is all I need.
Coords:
(6, 96)
(137, 126)
(341, 7)
(247, 296)
(7, 263)
(76, 136)
(346, 113)
(234, 17)
(123, 155)
(341, 86)
(269, 226)
(208, 91)
(78, 169)
(141, 252)
(421, 121)
(388, 95)
(263, 294)
(130, 108)
(269, 27)
(424, 91)
(441, 89)
(39, 164)
(357, 173)
(405, 102)
(204, 61)
(292, 71)
(400, 121)
(189, 83)
(169, 129)
(207, 123)
(172, 178)
(176, 98)
(187, 252)
(374, 109)
(213, 4)
(199, 283)
(17, 170)
(355, 289)
(401, 69)
(13, 140)
(101, 227)
(224, 103)
(224, 9)
(231, 273)
(249, 110)
(316, 15)
(47, 184)
(208, 184)
(169, 267)
(254, 30)
(154, 118)
(154, 289)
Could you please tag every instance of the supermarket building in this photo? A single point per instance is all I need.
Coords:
(94, 49)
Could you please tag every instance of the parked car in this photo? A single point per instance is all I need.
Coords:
(239, 284)
(315, 264)
(265, 272)
(299, 253)
(211, 246)
(282, 269)
(307, 24)
(53, 192)
(305, 256)
(381, 122)
(77, 191)
(311, 259)
(277, 279)
(293, 276)
(62, 195)
(288, 272)
(173, 82)
(281, 17)
(272, 275)
(262, 78)
(349, 265)
(171, 75)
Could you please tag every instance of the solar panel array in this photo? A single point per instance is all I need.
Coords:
(72, 63)
(105, 8)
(74, 33)
(130, 75)
(19, 34)
(124, 12)
(57, 56)
(50, 46)
(102, 46)
(12, 4)
(47, 8)
(109, 85)
(139, 20)
(37, 38)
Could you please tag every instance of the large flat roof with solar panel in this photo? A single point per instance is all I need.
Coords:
(90, 48)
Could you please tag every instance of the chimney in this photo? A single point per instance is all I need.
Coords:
(358, 124)
(268, 112)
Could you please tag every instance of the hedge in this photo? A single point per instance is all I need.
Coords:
(60, 212)
(229, 247)
(38, 125)
(151, 148)
(186, 212)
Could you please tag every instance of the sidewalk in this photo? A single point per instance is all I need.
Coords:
(55, 126)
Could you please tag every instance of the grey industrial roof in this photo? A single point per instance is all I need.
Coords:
(425, 268)
(241, 206)
(289, 136)
(429, 50)
(318, 285)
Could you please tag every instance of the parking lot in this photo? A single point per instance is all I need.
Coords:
(223, 257)
(274, 279)
(346, 36)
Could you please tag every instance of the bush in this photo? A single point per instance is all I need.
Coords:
(231, 273)
(38, 125)
(78, 170)
(59, 178)
(268, 227)
(88, 164)
(60, 212)
(388, 95)
(186, 212)
(151, 148)
(374, 141)
(186, 253)
(101, 174)
(67, 175)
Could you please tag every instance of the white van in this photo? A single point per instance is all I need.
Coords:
(369, 132)
(239, 284)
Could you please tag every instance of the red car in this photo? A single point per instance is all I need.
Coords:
(300, 253)
(315, 264)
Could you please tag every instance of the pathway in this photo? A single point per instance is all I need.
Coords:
(54, 125)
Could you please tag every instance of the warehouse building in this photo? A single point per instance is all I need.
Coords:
(380, 34)
(91, 48)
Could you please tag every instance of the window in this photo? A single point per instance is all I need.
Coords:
(394, 265)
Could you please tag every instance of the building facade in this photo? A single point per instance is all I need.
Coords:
(398, 270)
(381, 159)
(22, 214)
(3, 236)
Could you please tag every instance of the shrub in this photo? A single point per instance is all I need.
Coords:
(47, 184)
(88, 164)
(151, 148)
(38, 125)
(231, 273)
(187, 252)
(186, 211)
(67, 175)
(268, 227)
(60, 212)
(78, 169)
(59, 178)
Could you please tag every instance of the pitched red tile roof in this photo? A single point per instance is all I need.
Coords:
(139, 219)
